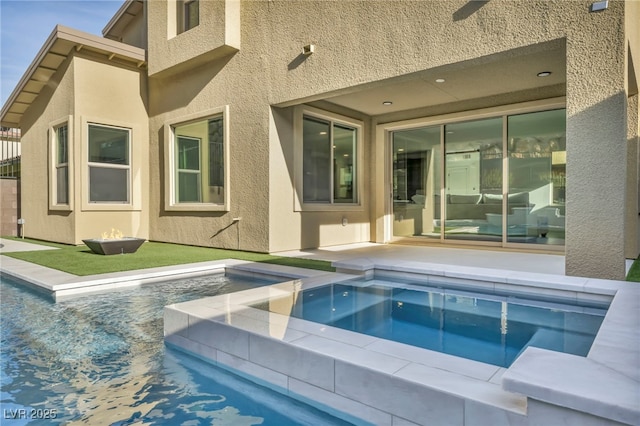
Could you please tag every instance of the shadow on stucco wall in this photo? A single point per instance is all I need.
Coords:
(596, 199)
(468, 9)
(178, 90)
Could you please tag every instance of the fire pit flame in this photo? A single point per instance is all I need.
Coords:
(115, 234)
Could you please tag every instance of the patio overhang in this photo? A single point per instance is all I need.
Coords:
(62, 42)
(506, 77)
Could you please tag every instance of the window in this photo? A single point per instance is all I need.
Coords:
(199, 162)
(329, 160)
(62, 164)
(188, 15)
(109, 164)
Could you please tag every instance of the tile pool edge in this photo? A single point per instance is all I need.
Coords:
(227, 363)
(59, 285)
(612, 370)
(329, 365)
(231, 333)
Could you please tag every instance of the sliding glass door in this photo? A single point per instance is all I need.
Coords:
(537, 169)
(499, 180)
(416, 182)
(473, 180)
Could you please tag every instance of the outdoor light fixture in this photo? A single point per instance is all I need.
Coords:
(308, 49)
(544, 74)
(387, 103)
(440, 80)
(599, 6)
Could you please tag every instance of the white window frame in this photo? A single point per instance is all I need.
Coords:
(334, 119)
(126, 167)
(183, 15)
(54, 165)
(170, 162)
(197, 172)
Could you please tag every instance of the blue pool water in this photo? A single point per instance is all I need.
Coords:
(101, 359)
(484, 328)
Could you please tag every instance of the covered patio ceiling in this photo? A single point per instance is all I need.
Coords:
(502, 74)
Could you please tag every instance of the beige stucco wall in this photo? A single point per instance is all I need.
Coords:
(632, 30)
(72, 95)
(135, 33)
(292, 229)
(217, 34)
(596, 146)
(366, 42)
(201, 90)
(122, 91)
(9, 206)
(54, 103)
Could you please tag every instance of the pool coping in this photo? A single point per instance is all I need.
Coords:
(333, 367)
(59, 285)
(605, 383)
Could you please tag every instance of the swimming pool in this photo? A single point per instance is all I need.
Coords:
(100, 359)
(481, 327)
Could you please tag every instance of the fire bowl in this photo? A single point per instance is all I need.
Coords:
(115, 246)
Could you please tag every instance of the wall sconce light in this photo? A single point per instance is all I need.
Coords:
(599, 6)
(308, 49)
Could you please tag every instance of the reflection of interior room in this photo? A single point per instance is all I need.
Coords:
(473, 180)
(416, 181)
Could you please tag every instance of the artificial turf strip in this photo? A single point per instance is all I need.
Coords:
(634, 272)
(79, 260)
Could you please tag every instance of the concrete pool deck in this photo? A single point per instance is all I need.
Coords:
(391, 384)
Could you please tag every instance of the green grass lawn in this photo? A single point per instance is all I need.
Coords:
(79, 260)
(634, 272)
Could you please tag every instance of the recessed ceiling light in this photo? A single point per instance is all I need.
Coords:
(323, 133)
(544, 74)
(387, 103)
(400, 149)
(440, 80)
(345, 155)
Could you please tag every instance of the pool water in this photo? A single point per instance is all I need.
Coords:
(486, 328)
(101, 359)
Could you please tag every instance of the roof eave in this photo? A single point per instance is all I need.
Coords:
(116, 17)
(78, 38)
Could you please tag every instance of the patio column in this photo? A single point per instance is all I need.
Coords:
(596, 145)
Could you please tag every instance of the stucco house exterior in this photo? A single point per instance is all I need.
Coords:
(278, 125)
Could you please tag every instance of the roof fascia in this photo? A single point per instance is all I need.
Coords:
(80, 38)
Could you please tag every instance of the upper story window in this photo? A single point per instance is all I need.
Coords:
(198, 166)
(188, 14)
(109, 164)
(329, 161)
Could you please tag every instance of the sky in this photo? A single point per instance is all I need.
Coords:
(26, 24)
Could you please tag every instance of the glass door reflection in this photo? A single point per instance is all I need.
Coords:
(537, 170)
(473, 180)
(416, 182)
